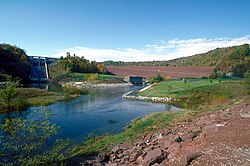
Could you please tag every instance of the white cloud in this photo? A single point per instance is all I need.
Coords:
(165, 50)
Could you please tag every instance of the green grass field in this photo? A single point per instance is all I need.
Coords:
(176, 87)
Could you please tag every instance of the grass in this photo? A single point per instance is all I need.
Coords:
(36, 97)
(167, 88)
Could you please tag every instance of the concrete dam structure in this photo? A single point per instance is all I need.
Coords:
(39, 68)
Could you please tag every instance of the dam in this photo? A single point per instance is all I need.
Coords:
(39, 68)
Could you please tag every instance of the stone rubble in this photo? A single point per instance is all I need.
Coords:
(83, 85)
(179, 145)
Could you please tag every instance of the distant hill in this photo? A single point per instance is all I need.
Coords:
(233, 61)
(14, 61)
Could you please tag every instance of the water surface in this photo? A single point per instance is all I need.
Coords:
(93, 112)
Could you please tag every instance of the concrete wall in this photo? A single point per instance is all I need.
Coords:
(39, 69)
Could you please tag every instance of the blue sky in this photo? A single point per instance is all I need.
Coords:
(129, 30)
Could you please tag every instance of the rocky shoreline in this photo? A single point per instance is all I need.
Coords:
(83, 85)
(153, 99)
(146, 98)
(219, 138)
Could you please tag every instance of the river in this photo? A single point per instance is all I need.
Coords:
(101, 111)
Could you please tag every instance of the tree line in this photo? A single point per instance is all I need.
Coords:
(14, 61)
(81, 65)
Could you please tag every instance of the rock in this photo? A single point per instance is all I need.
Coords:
(126, 153)
(116, 149)
(139, 159)
(166, 144)
(189, 157)
(191, 135)
(156, 164)
(178, 139)
(171, 155)
(220, 125)
(148, 138)
(141, 144)
(120, 155)
(102, 157)
(166, 132)
(111, 164)
(203, 121)
(247, 115)
(210, 128)
(154, 156)
(173, 147)
(134, 156)
(97, 164)
(150, 148)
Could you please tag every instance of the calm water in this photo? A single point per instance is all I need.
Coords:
(91, 113)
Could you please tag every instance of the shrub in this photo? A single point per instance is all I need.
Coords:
(247, 79)
(74, 90)
(93, 77)
(156, 78)
(23, 141)
(9, 98)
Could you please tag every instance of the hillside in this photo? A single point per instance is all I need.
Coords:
(14, 61)
(230, 60)
(235, 60)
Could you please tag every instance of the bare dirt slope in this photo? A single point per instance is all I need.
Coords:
(150, 71)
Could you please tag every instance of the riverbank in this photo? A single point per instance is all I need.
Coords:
(146, 98)
(37, 97)
(213, 139)
(198, 102)
(26, 97)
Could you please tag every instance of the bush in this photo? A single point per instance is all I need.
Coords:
(23, 141)
(74, 90)
(9, 98)
(92, 77)
(247, 79)
(157, 78)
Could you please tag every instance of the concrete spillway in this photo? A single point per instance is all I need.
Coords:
(39, 69)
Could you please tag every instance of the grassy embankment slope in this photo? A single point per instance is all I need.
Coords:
(197, 98)
(60, 75)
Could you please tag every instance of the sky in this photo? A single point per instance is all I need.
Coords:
(124, 30)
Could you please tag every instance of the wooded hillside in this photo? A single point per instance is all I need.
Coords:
(14, 61)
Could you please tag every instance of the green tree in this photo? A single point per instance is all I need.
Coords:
(247, 80)
(157, 78)
(23, 141)
(240, 69)
(81, 65)
(9, 99)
